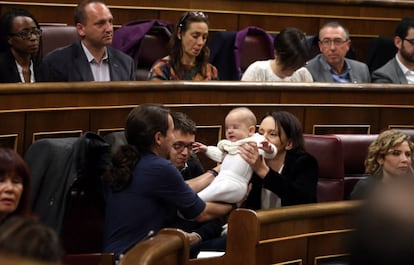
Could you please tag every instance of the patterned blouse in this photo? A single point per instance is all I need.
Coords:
(162, 70)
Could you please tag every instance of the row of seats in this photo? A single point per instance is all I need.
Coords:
(341, 162)
(231, 52)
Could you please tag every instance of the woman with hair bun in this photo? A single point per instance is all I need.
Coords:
(291, 53)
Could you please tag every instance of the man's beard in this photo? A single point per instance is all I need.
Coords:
(409, 57)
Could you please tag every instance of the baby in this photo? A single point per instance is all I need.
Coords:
(231, 183)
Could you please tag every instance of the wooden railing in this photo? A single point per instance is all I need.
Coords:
(303, 234)
(33, 111)
(169, 246)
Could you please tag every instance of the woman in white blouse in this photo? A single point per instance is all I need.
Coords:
(291, 54)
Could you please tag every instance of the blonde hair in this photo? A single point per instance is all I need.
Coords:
(249, 117)
(385, 142)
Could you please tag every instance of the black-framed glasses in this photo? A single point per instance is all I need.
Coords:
(27, 34)
(191, 14)
(411, 41)
(179, 146)
(336, 42)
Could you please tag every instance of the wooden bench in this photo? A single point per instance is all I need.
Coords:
(169, 246)
(302, 234)
(89, 259)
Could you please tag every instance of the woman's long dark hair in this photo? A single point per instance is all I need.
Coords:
(6, 24)
(176, 52)
(143, 122)
(291, 126)
(291, 48)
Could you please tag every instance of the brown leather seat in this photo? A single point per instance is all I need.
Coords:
(154, 46)
(54, 37)
(327, 149)
(355, 149)
(255, 48)
(257, 45)
(381, 50)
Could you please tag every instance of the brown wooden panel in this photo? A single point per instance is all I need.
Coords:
(365, 26)
(361, 46)
(328, 247)
(275, 24)
(294, 252)
(396, 116)
(122, 16)
(69, 122)
(341, 115)
(56, 134)
(209, 135)
(111, 119)
(13, 124)
(48, 14)
(9, 141)
(341, 129)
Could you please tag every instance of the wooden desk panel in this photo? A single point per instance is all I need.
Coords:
(61, 109)
(55, 124)
(12, 123)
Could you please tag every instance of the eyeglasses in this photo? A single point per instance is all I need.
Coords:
(179, 146)
(27, 34)
(336, 42)
(191, 14)
(411, 41)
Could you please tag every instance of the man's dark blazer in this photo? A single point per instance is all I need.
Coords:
(8, 69)
(359, 72)
(389, 73)
(70, 63)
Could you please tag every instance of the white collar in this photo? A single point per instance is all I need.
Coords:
(404, 69)
(89, 55)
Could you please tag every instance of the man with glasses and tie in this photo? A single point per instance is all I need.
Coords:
(331, 65)
(400, 69)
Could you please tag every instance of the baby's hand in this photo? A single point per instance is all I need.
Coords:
(199, 147)
(267, 147)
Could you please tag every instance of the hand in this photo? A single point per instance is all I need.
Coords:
(193, 237)
(267, 147)
(199, 147)
(250, 153)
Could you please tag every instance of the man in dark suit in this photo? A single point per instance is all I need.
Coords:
(331, 65)
(91, 58)
(400, 69)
